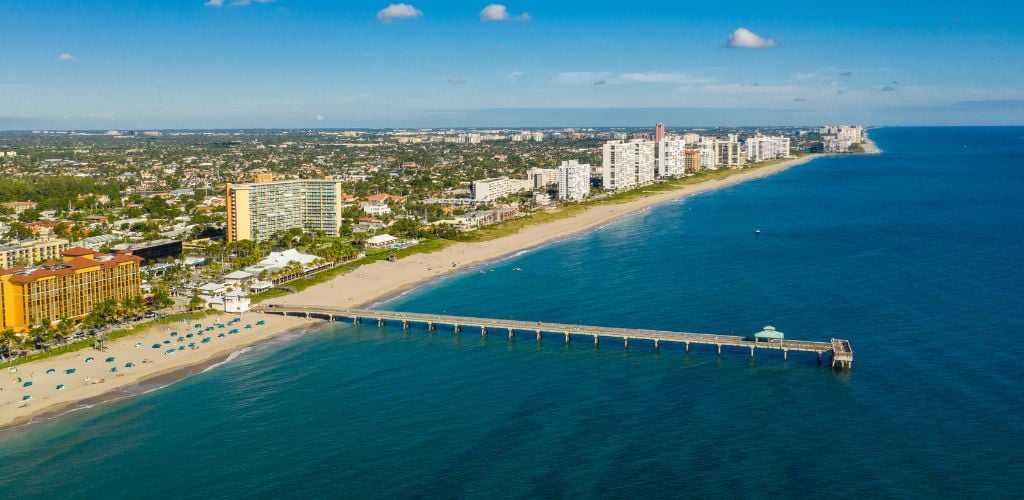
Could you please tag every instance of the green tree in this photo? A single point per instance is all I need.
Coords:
(18, 231)
(196, 303)
(162, 298)
(10, 340)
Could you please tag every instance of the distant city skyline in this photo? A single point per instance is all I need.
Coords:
(323, 64)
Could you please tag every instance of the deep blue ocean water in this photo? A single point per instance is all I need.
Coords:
(914, 255)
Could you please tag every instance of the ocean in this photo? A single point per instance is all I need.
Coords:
(914, 256)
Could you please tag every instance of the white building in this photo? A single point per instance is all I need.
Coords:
(671, 159)
(708, 147)
(375, 210)
(236, 302)
(573, 180)
(729, 154)
(627, 164)
(381, 241)
(761, 147)
(491, 189)
(495, 189)
(542, 177)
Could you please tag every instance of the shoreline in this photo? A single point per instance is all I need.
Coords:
(48, 403)
(384, 281)
(367, 286)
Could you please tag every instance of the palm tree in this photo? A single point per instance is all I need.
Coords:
(9, 339)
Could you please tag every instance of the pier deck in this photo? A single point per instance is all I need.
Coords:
(840, 351)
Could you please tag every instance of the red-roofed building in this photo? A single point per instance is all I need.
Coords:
(66, 289)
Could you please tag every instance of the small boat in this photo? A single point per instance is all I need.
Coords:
(517, 269)
(757, 231)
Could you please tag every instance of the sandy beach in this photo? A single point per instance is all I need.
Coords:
(92, 380)
(374, 282)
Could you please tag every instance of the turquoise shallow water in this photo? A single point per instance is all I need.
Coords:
(914, 256)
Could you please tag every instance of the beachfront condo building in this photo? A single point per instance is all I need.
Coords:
(487, 190)
(573, 180)
(542, 177)
(259, 210)
(65, 289)
(671, 162)
(692, 161)
(31, 251)
(762, 147)
(627, 164)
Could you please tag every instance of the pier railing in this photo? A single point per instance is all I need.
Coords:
(840, 351)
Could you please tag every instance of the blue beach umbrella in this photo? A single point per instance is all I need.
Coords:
(174, 334)
(156, 346)
(113, 369)
(27, 384)
(26, 397)
(69, 371)
(50, 370)
(171, 351)
(220, 334)
(60, 387)
(89, 360)
(129, 365)
(207, 339)
(110, 359)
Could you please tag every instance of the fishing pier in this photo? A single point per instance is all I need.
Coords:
(839, 351)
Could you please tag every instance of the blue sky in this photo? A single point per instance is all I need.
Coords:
(334, 63)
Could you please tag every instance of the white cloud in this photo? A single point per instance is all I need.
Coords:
(64, 56)
(319, 118)
(235, 3)
(398, 11)
(498, 12)
(743, 38)
(582, 77)
(655, 77)
(810, 75)
(455, 80)
(516, 75)
(604, 77)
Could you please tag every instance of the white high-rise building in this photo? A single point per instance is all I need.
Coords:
(573, 180)
(628, 164)
(495, 189)
(671, 160)
(729, 152)
(761, 147)
(708, 147)
(491, 189)
(542, 177)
